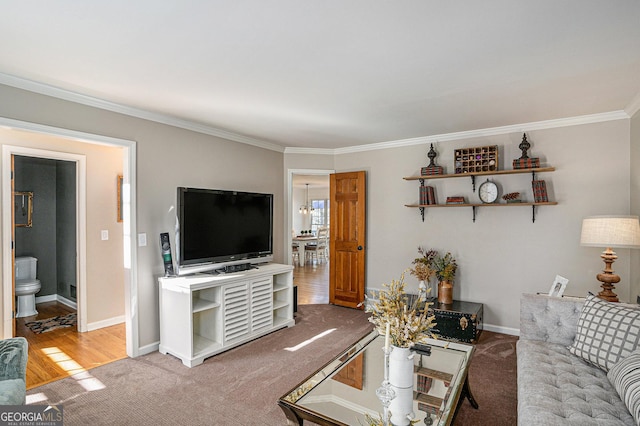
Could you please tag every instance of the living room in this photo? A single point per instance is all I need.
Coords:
(593, 143)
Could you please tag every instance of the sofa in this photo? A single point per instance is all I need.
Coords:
(578, 362)
(13, 371)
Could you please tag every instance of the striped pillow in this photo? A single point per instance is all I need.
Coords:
(625, 377)
(606, 332)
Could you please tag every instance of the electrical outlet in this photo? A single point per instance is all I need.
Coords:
(142, 240)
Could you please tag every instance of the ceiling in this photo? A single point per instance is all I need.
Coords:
(334, 74)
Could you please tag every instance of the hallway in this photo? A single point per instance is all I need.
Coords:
(312, 281)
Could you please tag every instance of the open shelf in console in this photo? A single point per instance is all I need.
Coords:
(208, 298)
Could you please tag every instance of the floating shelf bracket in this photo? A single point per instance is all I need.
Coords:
(473, 183)
(533, 214)
(474, 213)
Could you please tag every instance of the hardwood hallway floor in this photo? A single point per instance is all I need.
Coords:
(312, 281)
(64, 352)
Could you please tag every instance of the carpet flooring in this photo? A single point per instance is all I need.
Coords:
(241, 386)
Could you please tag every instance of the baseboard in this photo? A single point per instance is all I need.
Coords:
(45, 299)
(153, 347)
(56, 298)
(67, 302)
(500, 329)
(105, 323)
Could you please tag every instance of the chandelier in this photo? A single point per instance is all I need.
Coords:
(307, 208)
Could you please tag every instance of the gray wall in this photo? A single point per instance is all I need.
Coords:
(501, 255)
(167, 157)
(52, 237)
(66, 228)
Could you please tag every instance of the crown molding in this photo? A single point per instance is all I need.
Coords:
(56, 92)
(634, 106)
(64, 94)
(491, 131)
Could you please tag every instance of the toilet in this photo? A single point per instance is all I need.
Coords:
(26, 286)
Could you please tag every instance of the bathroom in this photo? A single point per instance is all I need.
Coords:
(51, 238)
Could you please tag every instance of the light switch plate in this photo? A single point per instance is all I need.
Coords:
(104, 235)
(142, 240)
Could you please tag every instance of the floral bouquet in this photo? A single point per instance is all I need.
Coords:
(445, 267)
(408, 325)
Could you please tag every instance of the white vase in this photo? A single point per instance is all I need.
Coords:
(401, 406)
(401, 367)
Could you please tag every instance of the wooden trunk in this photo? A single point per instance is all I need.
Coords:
(459, 321)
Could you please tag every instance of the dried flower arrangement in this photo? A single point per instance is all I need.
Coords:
(408, 325)
(423, 265)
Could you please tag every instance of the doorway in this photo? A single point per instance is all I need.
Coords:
(308, 189)
(50, 238)
(30, 134)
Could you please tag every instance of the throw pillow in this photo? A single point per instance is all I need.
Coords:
(606, 332)
(625, 377)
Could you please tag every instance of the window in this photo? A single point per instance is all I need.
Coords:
(320, 214)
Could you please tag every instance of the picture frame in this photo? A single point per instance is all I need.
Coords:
(558, 286)
(23, 209)
(119, 197)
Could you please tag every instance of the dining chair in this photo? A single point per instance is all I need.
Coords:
(321, 248)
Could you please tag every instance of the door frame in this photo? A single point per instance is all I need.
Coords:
(129, 224)
(290, 172)
(8, 151)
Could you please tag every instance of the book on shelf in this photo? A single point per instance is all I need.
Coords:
(526, 163)
(431, 170)
(539, 191)
(455, 200)
(427, 195)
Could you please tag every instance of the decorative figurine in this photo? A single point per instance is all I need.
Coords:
(524, 146)
(432, 169)
(432, 155)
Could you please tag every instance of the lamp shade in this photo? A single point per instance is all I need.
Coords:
(611, 231)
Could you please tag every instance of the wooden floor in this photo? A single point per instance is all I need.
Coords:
(312, 281)
(64, 352)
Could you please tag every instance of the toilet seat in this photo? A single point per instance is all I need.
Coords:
(24, 287)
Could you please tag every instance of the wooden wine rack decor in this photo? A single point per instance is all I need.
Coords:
(479, 159)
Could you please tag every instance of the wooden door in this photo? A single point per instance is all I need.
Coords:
(347, 238)
(13, 248)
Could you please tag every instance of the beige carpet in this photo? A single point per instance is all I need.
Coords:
(241, 386)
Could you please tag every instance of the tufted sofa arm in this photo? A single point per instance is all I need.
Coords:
(13, 370)
(549, 319)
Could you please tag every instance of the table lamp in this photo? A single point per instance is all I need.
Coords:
(609, 232)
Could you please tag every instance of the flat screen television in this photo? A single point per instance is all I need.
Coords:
(219, 228)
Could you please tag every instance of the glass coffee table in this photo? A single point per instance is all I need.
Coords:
(344, 391)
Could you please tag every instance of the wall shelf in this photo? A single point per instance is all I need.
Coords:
(473, 175)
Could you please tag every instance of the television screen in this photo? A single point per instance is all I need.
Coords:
(223, 227)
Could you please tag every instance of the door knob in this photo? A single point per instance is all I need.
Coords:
(359, 247)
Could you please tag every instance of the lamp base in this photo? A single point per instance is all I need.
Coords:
(607, 293)
(608, 277)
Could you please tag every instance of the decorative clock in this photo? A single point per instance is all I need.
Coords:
(488, 192)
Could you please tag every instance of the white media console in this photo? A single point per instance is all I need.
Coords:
(205, 314)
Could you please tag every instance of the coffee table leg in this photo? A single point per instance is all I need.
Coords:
(466, 392)
(292, 418)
